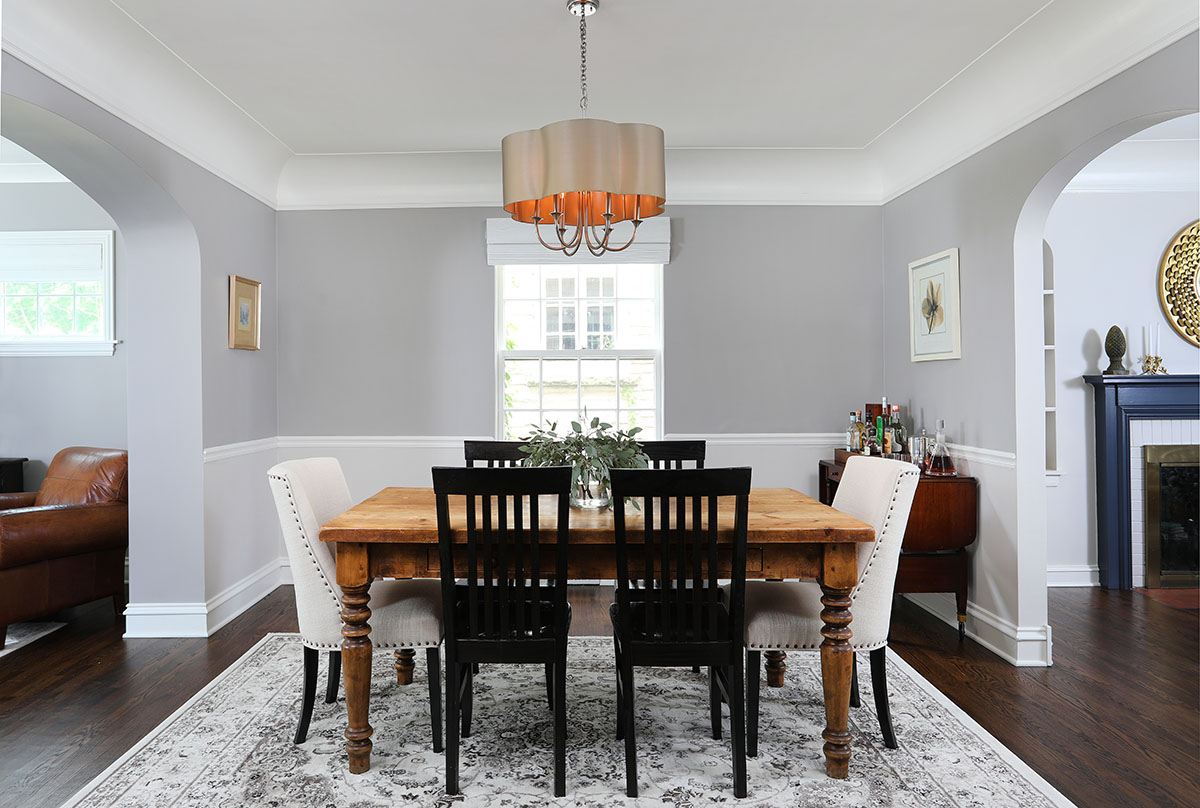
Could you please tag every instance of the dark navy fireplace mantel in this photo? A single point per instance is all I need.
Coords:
(1118, 400)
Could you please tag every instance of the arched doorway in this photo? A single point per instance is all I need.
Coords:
(160, 250)
(1030, 387)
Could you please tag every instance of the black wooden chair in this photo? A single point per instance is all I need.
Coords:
(672, 454)
(680, 618)
(504, 612)
(496, 453)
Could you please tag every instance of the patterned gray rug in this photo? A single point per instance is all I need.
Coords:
(21, 634)
(231, 745)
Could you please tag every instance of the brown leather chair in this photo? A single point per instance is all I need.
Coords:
(65, 543)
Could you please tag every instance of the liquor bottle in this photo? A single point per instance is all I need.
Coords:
(860, 431)
(871, 446)
(940, 463)
(899, 433)
(886, 435)
(851, 432)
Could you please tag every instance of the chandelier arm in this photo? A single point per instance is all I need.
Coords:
(633, 235)
(537, 227)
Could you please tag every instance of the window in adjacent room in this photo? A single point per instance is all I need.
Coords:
(56, 293)
(575, 337)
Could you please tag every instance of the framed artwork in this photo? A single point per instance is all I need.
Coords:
(245, 308)
(933, 312)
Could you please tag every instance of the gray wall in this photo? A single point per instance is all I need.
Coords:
(57, 401)
(975, 206)
(386, 320)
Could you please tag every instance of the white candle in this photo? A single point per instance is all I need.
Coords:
(1145, 345)
(1157, 339)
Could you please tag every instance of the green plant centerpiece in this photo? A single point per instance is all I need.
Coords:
(590, 452)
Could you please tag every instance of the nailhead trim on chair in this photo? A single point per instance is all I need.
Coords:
(853, 592)
(287, 484)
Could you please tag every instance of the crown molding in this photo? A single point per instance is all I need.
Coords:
(100, 54)
(1065, 49)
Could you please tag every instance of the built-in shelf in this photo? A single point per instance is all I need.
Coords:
(1048, 358)
(1051, 409)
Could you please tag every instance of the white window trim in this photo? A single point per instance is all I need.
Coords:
(502, 354)
(68, 346)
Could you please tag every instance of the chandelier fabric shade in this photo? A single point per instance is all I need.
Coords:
(583, 168)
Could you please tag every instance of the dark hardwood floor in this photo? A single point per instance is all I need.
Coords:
(1115, 722)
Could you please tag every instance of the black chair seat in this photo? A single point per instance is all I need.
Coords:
(518, 616)
(670, 622)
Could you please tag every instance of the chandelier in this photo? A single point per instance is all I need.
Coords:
(584, 175)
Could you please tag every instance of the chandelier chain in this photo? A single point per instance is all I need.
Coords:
(583, 90)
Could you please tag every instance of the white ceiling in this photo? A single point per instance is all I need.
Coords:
(313, 103)
(1165, 157)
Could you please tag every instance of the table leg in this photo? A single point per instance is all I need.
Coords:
(837, 657)
(776, 667)
(356, 669)
(404, 666)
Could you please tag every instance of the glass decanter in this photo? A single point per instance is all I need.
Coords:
(938, 462)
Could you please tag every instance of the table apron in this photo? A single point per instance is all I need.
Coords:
(360, 562)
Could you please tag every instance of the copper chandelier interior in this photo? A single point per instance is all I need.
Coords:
(584, 175)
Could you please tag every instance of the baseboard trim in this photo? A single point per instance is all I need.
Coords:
(158, 620)
(1022, 646)
(1064, 575)
(235, 599)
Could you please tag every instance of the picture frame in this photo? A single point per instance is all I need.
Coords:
(934, 317)
(245, 313)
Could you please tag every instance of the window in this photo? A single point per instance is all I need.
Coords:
(56, 295)
(574, 337)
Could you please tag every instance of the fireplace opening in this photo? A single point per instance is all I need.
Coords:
(1172, 510)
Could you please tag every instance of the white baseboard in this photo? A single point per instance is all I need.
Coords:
(204, 619)
(1023, 646)
(1073, 575)
(226, 605)
(166, 620)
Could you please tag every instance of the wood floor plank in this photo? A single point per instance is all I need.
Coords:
(1114, 722)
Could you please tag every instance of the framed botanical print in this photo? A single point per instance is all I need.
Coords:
(933, 311)
(245, 308)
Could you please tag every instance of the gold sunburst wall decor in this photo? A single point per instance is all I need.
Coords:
(1179, 283)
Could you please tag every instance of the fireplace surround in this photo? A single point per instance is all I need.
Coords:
(1119, 400)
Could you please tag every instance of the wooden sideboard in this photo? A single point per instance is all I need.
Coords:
(942, 524)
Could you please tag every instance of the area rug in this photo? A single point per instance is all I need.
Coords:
(21, 634)
(231, 745)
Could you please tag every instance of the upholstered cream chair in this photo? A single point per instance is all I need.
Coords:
(786, 616)
(404, 614)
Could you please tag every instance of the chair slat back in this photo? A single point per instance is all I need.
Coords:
(676, 568)
(496, 453)
(672, 454)
(497, 549)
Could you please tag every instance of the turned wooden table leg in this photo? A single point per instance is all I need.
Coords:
(404, 666)
(837, 657)
(776, 667)
(353, 578)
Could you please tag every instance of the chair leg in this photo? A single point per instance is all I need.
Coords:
(550, 685)
(433, 658)
(3, 635)
(631, 783)
(620, 689)
(310, 694)
(714, 703)
(737, 722)
(560, 723)
(335, 675)
(855, 701)
(468, 699)
(753, 673)
(452, 718)
(879, 685)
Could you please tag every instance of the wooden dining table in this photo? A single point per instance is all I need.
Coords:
(394, 534)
